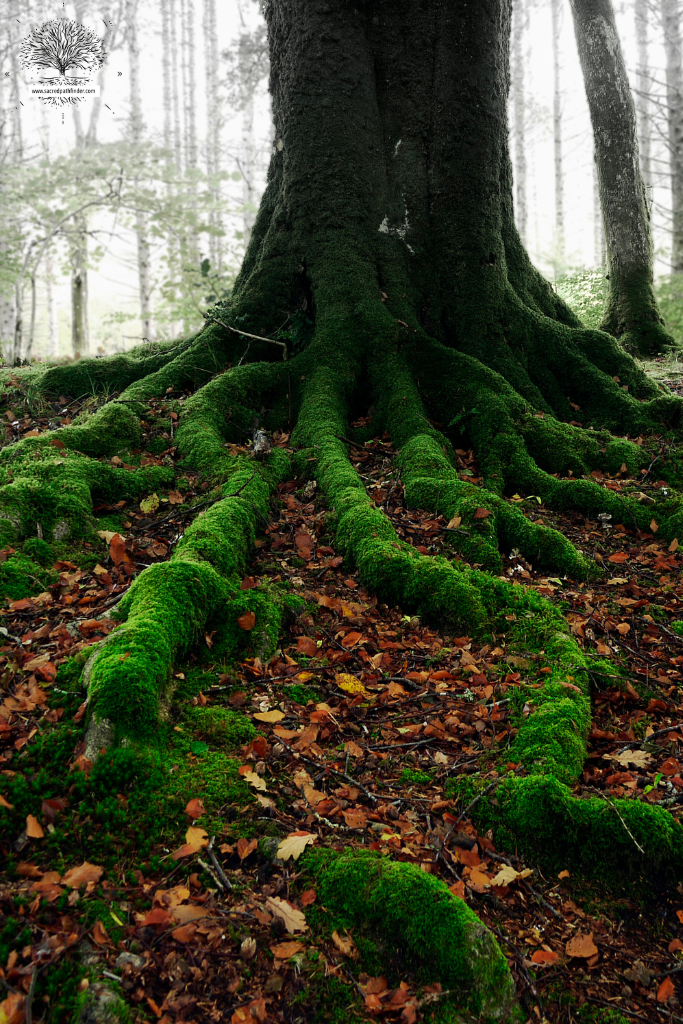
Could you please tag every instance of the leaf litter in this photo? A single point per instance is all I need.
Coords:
(364, 715)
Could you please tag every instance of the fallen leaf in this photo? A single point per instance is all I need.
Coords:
(618, 557)
(269, 717)
(345, 945)
(355, 819)
(673, 546)
(185, 914)
(149, 504)
(482, 513)
(307, 646)
(195, 808)
(309, 896)
(639, 758)
(284, 950)
(117, 549)
(454, 523)
(665, 991)
(99, 934)
(33, 827)
(255, 780)
(294, 845)
(4, 803)
(245, 847)
(654, 526)
(75, 878)
(349, 684)
(581, 946)
(543, 956)
(247, 621)
(294, 920)
(507, 875)
(351, 639)
(13, 1009)
(27, 870)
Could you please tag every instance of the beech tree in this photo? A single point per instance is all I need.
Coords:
(388, 220)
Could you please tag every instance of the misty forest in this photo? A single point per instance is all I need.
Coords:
(341, 511)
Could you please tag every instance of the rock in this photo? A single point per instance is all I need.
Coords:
(101, 1005)
(248, 948)
(132, 960)
(61, 531)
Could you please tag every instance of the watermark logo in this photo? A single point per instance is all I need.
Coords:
(62, 58)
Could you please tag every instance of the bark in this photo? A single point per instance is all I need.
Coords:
(631, 312)
(518, 106)
(671, 23)
(167, 99)
(136, 132)
(598, 227)
(189, 82)
(177, 147)
(213, 132)
(643, 90)
(79, 289)
(556, 16)
(52, 326)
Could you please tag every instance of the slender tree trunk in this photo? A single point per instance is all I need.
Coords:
(52, 326)
(631, 312)
(177, 146)
(556, 12)
(643, 91)
(79, 290)
(166, 73)
(213, 130)
(518, 106)
(189, 82)
(671, 23)
(136, 132)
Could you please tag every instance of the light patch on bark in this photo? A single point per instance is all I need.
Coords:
(400, 231)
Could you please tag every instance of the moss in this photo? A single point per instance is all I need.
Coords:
(416, 917)
(22, 577)
(219, 725)
(540, 819)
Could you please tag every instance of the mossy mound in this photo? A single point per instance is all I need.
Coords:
(416, 921)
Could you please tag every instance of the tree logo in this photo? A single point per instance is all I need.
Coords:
(65, 55)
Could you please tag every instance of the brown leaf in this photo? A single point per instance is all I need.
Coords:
(355, 818)
(157, 918)
(195, 808)
(27, 870)
(618, 557)
(293, 919)
(77, 877)
(13, 1009)
(581, 946)
(4, 803)
(186, 914)
(454, 523)
(284, 950)
(245, 847)
(345, 945)
(665, 991)
(623, 628)
(99, 935)
(306, 645)
(654, 526)
(117, 549)
(33, 828)
(673, 546)
(185, 933)
(294, 845)
(351, 639)
(175, 497)
(482, 513)
(308, 896)
(269, 717)
(247, 621)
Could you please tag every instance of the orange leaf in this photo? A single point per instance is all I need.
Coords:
(665, 991)
(13, 1009)
(306, 645)
(542, 956)
(157, 917)
(33, 828)
(653, 526)
(195, 808)
(679, 915)
(5, 804)
(284, 950)
(247, 621)
(675, 946)
(307, 897)
(27, 870)
(351, 639)
(618, 556)
(482, 513)
(99, 935)
(117, 549)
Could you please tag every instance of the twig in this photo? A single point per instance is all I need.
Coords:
(29, 997)
(616, 811)
(246, 334)
(519, 957)
(349, 778)
(219, 870)
(470, 805)
(632, 744)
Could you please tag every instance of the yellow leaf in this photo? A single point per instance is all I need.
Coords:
(269, 716)
(255, 780)
(150, 504)
(349, 684)
(197, 837)
(454, 523)
(293, 919)
(106, 536)
(653, 526)
(33, 827)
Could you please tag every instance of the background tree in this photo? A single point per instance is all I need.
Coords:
(673, 48)
(519, 112)
(631, 312)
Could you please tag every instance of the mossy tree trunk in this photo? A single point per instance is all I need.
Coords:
(631, 311)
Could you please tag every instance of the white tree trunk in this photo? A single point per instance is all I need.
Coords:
(643, 98)
(136, 132)
(671, 24)
(556, 13)
(177, 147)
(166, 73)
(518, 108)
(189, 82)
(52, 328)
(248, 168)
(213, 130)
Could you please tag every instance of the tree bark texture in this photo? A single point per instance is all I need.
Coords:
(559, 247)
(136, 132)
(631, 311)
(643, 92)
(671, 24)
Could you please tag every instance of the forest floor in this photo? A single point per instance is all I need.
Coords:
(364, 717)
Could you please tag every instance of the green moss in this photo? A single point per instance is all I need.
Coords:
(413, 777)
(221, 726)
(413, 917)
(22, 577)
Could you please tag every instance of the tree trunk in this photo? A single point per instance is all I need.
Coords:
(189, 82)
(213, 131)
(598, 227)
(518, 107)
(631, 312)
(52, 325)
(177, 146)
(79, 290)
(671, 23)
(136, 132)
(167, 99)
(559, 247)
(643, 91)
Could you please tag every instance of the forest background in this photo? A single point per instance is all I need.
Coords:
(126, 216)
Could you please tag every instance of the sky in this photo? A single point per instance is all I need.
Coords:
(113, 284)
